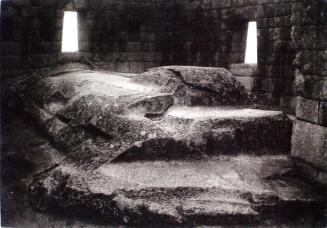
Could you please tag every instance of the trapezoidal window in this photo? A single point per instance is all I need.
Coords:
(70, 32)
(251, 51)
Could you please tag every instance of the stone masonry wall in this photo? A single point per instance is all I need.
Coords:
(309, 33)
(30, 37)
(213, 33)
(120, 35)
(134, 35)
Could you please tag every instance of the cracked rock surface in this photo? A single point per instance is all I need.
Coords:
(173, 145)
(98, 117)
(225, 190)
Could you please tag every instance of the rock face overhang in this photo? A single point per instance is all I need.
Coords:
(169, 118)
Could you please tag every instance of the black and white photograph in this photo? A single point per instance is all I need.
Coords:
(163, 113)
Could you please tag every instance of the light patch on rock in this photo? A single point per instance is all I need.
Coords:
(138, 144)
(152, 135)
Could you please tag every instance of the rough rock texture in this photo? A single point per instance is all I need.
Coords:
(198, 85)
(97, 117)
(225, 190)
(27, 154)
(153, 148)
(309, 144)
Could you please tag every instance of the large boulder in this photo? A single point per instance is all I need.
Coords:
(234, 190)
(197, 85)
(97, 117)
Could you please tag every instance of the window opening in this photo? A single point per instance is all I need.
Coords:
(70, 32)
(251, 51)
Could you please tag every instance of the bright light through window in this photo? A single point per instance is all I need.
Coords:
(251, 43)
(70, 33)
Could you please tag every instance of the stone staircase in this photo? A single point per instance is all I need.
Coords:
(174, 145)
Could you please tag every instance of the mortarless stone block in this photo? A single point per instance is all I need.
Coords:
(309, 144)
(306, 169)
(148, 65)
(288, 103)
(11, 62)
(315, 87)
(247, 82)
(323, 113)
(20, 2)
(312, 62)
(147, 36)
(134, 46)
(10, 48)
(81, 4)
(9, 11)
(322, 177)
(44, 2)
(307, 109)
(122, 67)
(136, 67)
(303, 14)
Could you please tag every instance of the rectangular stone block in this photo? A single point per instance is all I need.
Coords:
(247, 82)
(81, 4)
(323, 113)
(307, 109)
(306, 169)
(31, 11)
(20, 3)
(147, 36)
(149, 65)
(309, 144)
(288, 104)
(9, 11)
(322, 177)
(281, 21)
(122, 67)
(91, 14)
(12, 62)
(315, 87)
(312, 62)
(244, 70)
(10, 48)
(136, 67)
(303, 14)
(309, 37)
(135, 56)
(134, 46)
(44, 2)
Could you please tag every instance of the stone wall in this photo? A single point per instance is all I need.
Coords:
(122, 35)
(309, 33)
(134, 35)
(30, 37)
(214, 34)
